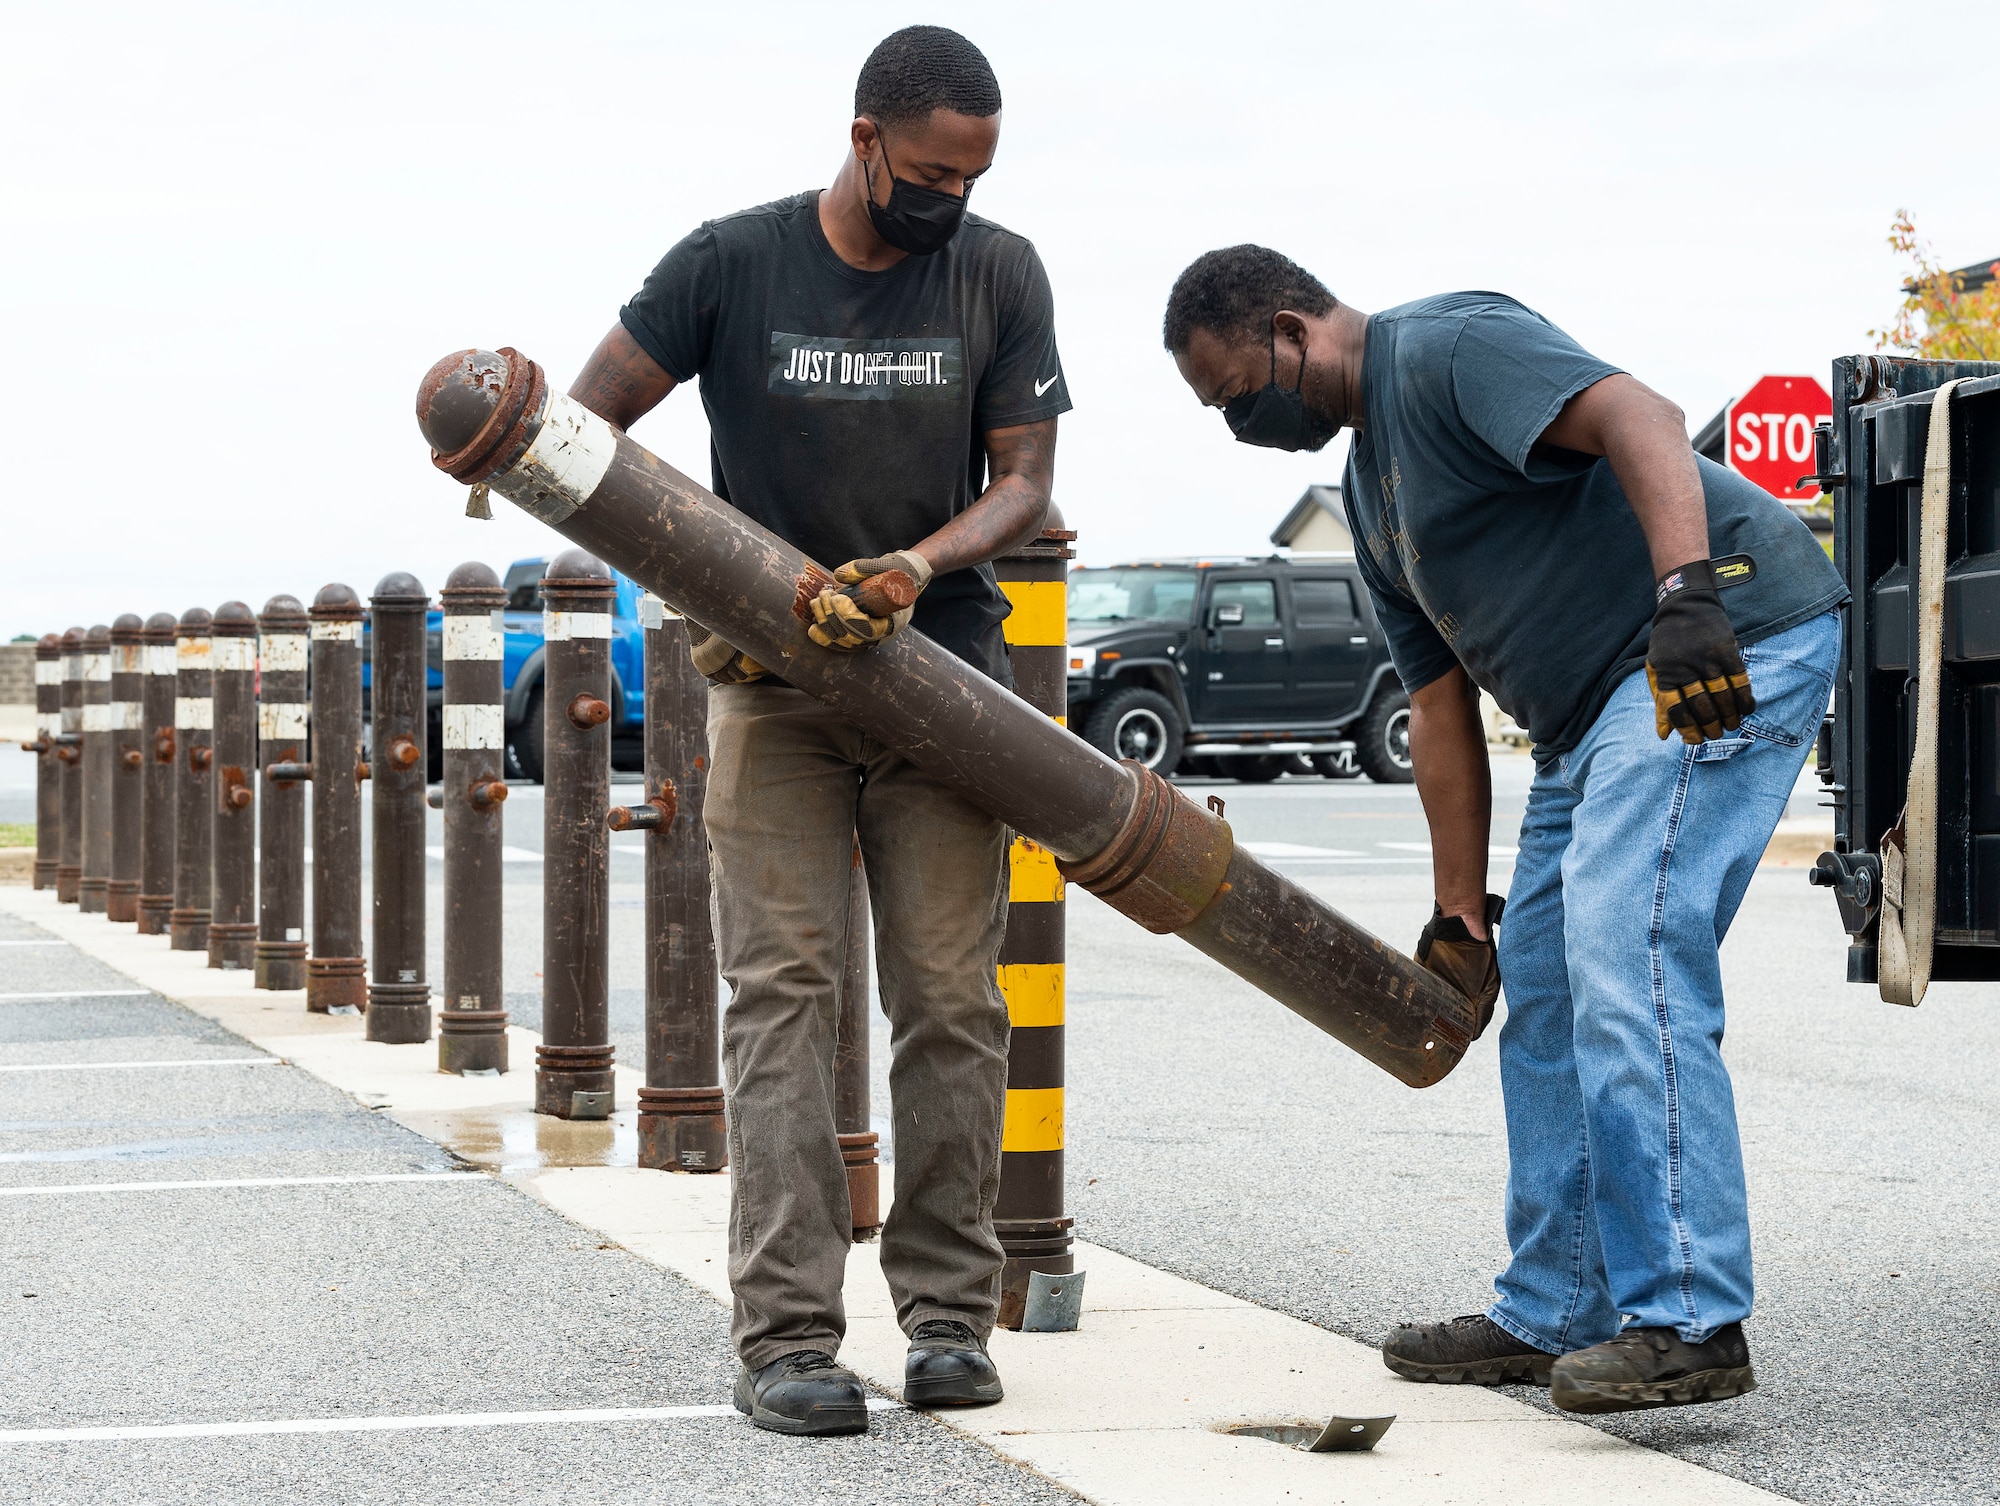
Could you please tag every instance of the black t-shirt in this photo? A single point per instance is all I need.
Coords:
(847, 409)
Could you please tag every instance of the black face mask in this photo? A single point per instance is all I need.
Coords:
(916, 219)
(1277, 417)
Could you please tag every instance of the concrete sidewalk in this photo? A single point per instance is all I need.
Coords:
(1127, 1409)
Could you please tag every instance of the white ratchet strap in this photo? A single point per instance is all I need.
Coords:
(1909, 851)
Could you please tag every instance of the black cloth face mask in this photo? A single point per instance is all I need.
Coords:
(1277, 417)
(917, 219)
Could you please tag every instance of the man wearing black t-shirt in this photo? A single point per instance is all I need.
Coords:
(880, 375)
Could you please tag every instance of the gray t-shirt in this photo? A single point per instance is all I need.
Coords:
(1529, 570)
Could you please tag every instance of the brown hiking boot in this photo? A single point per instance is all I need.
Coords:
(1468, 1351)
(1653, 1367)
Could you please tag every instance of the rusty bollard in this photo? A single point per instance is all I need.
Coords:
(69, 856)
(682, 1126)
(472, 1024)
(573, 1078)
(282, 756)
(47, 748)
(232, 926)
(859, 1145)
(399, 996)
(98, 785)
(194, 782)
(336, 972)
(128, 765)
(156, 796)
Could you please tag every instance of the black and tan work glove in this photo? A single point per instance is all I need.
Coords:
(870, 603)
(1449, 949)
(1700, 686)
(721, 662)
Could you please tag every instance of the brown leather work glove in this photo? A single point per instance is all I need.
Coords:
(865, 607)
(1701, 688)
(722, 663)
(1472, 967)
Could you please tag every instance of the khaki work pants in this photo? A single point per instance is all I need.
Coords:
(790, 783)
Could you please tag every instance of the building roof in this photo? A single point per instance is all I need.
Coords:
(1315, 499)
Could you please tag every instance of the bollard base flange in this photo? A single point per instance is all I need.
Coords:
(1032, 1246)
(154, 910)
(91, 895)
(573, 1082)
(69, 884)
(683, 1129)
(861, 1154)
(281, 965)
(45, 873)
(336, 983)
(232, 944)
(399, 1014)
(121, 900)
(187, 931)
(472, 1040)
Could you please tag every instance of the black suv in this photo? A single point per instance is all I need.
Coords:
(1247, 668)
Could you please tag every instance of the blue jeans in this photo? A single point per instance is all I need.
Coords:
(1625, 1191)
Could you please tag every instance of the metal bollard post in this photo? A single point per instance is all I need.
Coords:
(194, 825)
(336, 973)
(156, 798)
(573, 1078)
(399, 997)
(1029, 1214)
(69, 856)
(97, 772)
(282, 757)
(128, 765)
(472, 1024)
(232, 926)
(859, 1145)
(47, 748)
(682, 1124)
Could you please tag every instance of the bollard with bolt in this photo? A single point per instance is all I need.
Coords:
(232, 926)
(336, 972)
(472, 1024)
(98, 782)
(69, 856)
(282, 758)
(194, 783)
(573, 1078)
(859, 1145)
(682, 1126)
(399, 997)
(1029, 1216)
(47, 748)
(157, 793)
(128, 765)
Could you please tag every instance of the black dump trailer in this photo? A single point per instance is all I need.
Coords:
(1871, 454)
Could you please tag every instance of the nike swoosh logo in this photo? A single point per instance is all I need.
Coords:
(1041, 387)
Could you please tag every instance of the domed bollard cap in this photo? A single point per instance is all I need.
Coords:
(160, 628)
(127, 628)
(233, 619)
(335, 603)
(577, 565)
(472, 576)
(283, 611)
(49, 646)
(195, 623)
(399, 588)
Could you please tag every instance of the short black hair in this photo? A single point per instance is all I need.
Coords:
(924, 68)
(1235, 291)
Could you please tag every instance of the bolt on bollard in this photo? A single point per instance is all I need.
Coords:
(128, 765)
(336, 972)
(98, 784)
(859, 1145)
(682, 1122)
(1028, 1217)
(194, 783)
(283, 758)
(399, 997)
(47, 748)
(69, 856)
(472, 1024)
(573, 1077)
(232, 926)
(156, 797)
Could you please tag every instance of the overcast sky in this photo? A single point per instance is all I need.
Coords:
(235, 236)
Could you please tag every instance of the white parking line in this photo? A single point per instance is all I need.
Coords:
(34, 943)
(199, 1061)
(1496, 850)
(77, 993)
(387, 1176)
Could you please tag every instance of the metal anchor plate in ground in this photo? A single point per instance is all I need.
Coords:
(1341, 1435)
(1055, 1303)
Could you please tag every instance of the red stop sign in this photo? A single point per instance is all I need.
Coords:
(1767, 433)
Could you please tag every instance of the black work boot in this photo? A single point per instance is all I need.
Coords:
(1653, 1367)
(805, 1393)
(948, 1367)
(1468, 1351)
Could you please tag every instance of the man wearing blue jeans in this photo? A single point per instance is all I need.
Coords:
(1531, 520)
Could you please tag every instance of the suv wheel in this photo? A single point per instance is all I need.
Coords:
(1382, 738)
(526, 744)
(1255, 768)
(1138, 724)
(1336, 765)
